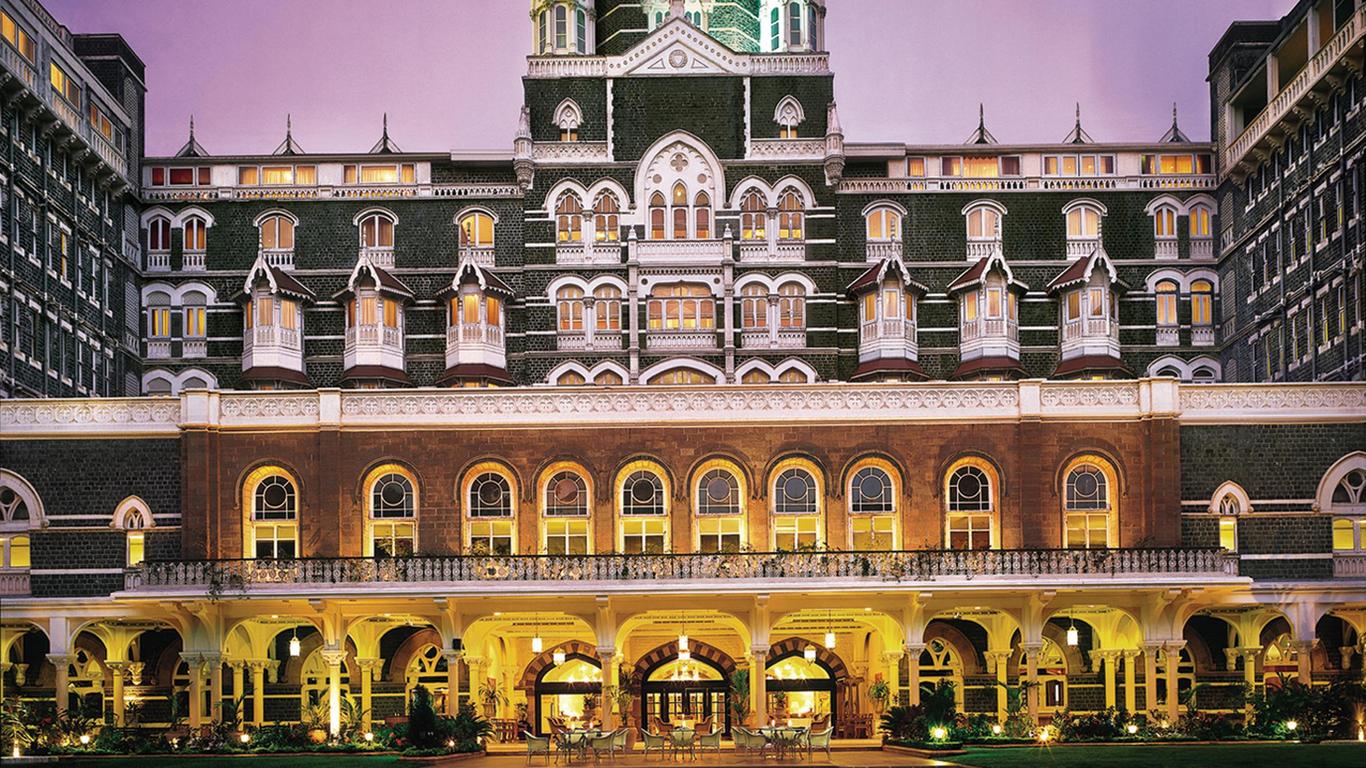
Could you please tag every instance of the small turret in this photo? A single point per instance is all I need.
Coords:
(522, 163)
(834, 146)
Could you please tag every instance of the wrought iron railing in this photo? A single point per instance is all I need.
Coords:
(879, 566)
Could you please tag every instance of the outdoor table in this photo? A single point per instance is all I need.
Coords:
(784, 739)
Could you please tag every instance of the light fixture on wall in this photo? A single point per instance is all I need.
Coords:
(810, 653)
(294, 646)
(1073, 636)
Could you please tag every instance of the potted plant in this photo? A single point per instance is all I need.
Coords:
(779, 699)
(624, 701)
(314, 719)
(739, 696)
(590, 706)
(490, 698)
(879, 693)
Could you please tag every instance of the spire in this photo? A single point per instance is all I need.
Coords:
(289, 146)
(1174, 134)
(981, 135)
(676, 10)
(192, 147)
(1078, 134)
(385, 145)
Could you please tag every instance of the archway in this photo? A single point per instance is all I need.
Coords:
(563, 684)
(802, 679)
(677, 690)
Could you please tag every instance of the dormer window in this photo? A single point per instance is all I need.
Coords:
(476, 230)
(788, 115)
(277, 233)
(984, 223)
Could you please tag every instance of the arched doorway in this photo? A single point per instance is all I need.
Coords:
(566, 690)
(686, 691)
(801, 681)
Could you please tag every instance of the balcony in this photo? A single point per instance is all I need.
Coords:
(1202, 336)
(194, 348)
(702, 571)
(374, 344)
(475, 344)
(762, 251)
(887, 338)
(380, 257)
(887, 250)
(1079, 247)
(279, 258)
(674, 341)
(774, 338)
(1165, 250)
(588, 253)
(193, 261)
(1168, 336)
(1202, 249)
(1344, 567)
(980, 249)
(1090, 337)
(271, 346)
(14, 582)
(708, 252)
(479, 254)
(158, 261)
(158, 349)
(577, 341)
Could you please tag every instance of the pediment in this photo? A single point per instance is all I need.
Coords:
(679, 48)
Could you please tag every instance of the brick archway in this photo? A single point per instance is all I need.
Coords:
(546, 659)
(796, 646)
(669, 650)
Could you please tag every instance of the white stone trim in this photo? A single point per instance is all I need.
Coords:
(1323, 497)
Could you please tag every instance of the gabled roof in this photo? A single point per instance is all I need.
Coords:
(192, 147)
(289, 146)
(1080, 271)
(1078, 135)
(975, 274)
(1091, 364)
(874, 276)
(1174, 134)
(981, 135)
(889, 365)
(477, 371)
(280, 281)
(383, 280)
(385, 145)
(980, 366)
(679, 48)
(468, 271)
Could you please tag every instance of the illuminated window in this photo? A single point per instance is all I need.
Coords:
(791, 217)
(1166, 303)
(566, 537)
(1344, 535)
(718, 493)
(277, 233)
(491, 537)
(392, 513)
(476, 230)
(18, 38)
(1228, 533)
(872, 509)
(984, 223)
(796, 508)
(377, 231)
(883, 225)
(1202, 303)
(971, 506)
(569, 219)
(273, 514)
(194, 231)
(753, 307)
(1088, 505)
(874, 533)
(1200, 225)
(64, 86)
(702, 216)
(642, 504)
(1164, 222)
(570, 308)
(657, 216)
(159, 315)
(1083, 222)
(792, 533)
(606, 218)
(607, 308)
(681, 306)
(722, 534)
(753, 217)
(194, 314)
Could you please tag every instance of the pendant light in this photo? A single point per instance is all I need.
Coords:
(1073, 636)
(684, 653)
(557, 658)
(536, 644)
(294, 647)
(810, 653)
(829, 632)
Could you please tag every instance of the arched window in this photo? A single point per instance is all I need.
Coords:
(159, 234)
(1200, 224)
(543, 32)
(791, 306)
(194, 314)
(1089, 513)
(984, 223)
(476, 230)
(20, 511)
(791, 217)
(158, 315)
(1083, 223)
(681, 376)
(872, 508)
(489, 506)
(681, 307)
(569, 219)
(788, 115)
(134, 517)
(795, 375)
(680, 212)
(561, 28)
(753, 307)
(884, 225)
(272, 502)
(719, 498)
(794, 24)
(565, 499)
(970, 506)
(570, 308)
(391, 513)
(1164, 222)
(756, 376)
(1166, 302)
(571, 379)
(377, 231)
(606, 218)
(643, 506)
(608, 379)
(1351, 490)
(277, 233)
(657, 213)
(1202, 303)
(753, 216)
(1228, 508)
(580, 31)
(194, 232)
(775, 29)
(702, 214)
(796, 507)
(607, 308)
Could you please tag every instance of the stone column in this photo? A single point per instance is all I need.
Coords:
(607, 657)
(997, 662)
(1130, 680)
(913, 651)
(1304, 661)
(1150, 651)
(194, 663)
(891, 665)
(771, 230)
(62, 663)
(758, 683)
(4, 667)
(453, 682)
(258, 691)
(239, 687)
(334, 659)
(1172, 658)
(1030, 679)
(117, 669)
(1108, 658)
(369, 668)
(1250, 657)
(214, 661)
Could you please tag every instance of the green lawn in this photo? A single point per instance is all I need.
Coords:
(1137, 756)
(264, 761)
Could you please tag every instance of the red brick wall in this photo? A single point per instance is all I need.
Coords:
(331, 465)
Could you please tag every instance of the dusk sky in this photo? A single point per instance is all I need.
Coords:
(448, 71)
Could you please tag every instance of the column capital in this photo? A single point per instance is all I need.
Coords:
(1174, 646)
(1131, 653)
(453, 656)
(1033, 649)
(117, 666)
(1152, 647)
(260, 664)
(914, 648)
(65, 658)
(211, 657)
(1303, 645)
(333, 657)
(237, 663)
(1107, 654)
(606, 653)
(891, 657)
(995, 657)
(759, 652)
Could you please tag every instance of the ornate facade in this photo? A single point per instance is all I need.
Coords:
(684, 385)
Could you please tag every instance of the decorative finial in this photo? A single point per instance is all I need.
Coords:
(1174, 134)
(192, 127)
(676, 9)
(385, 145)
(981, 135)
(1078, 134)
(191, 147)
(289, 146)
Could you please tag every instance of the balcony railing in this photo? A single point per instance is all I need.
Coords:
(680, 340)
(909, 566)
(1344, 566)
(193, 262)
(885, 250)
(1079, 247)
(1202, 249)
(158, 261)
(14, 582)
(1165, 249)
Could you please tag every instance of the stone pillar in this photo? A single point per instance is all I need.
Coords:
(1250, 660)
(334, 659)
(997, 663)
(117, 669)
(239, 687)
(258, 691)
(1130, 680)
(771, 230)
(1108, 658)
(1150, 651)
(758, 683)
(1172, 657)
(891, 675)
(194, 663)
(1304, 661)
(1030, 679)
(369, 668)
(214, 661)
(453, 682)
(62, 663)
(4, 667)
(607, 657)
(913, 651)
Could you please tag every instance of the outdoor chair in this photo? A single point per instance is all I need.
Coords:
(748, 741)
(567, 743)
(683, 740)
(536, 745)
(619, 740)
(710, 741)
(653, 741)
(601, 744)
(819, 740)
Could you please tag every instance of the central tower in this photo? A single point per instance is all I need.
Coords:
(611, 27)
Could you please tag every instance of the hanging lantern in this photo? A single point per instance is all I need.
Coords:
(810, 653)
(685, 655)
(682, 642)
(1073, 636)
(557, 657)
(536, 645)
(830, 640)
(294, 646)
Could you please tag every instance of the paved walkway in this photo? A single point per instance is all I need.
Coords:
(842, 758)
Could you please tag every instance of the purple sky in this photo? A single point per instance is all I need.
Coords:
(448, 71)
